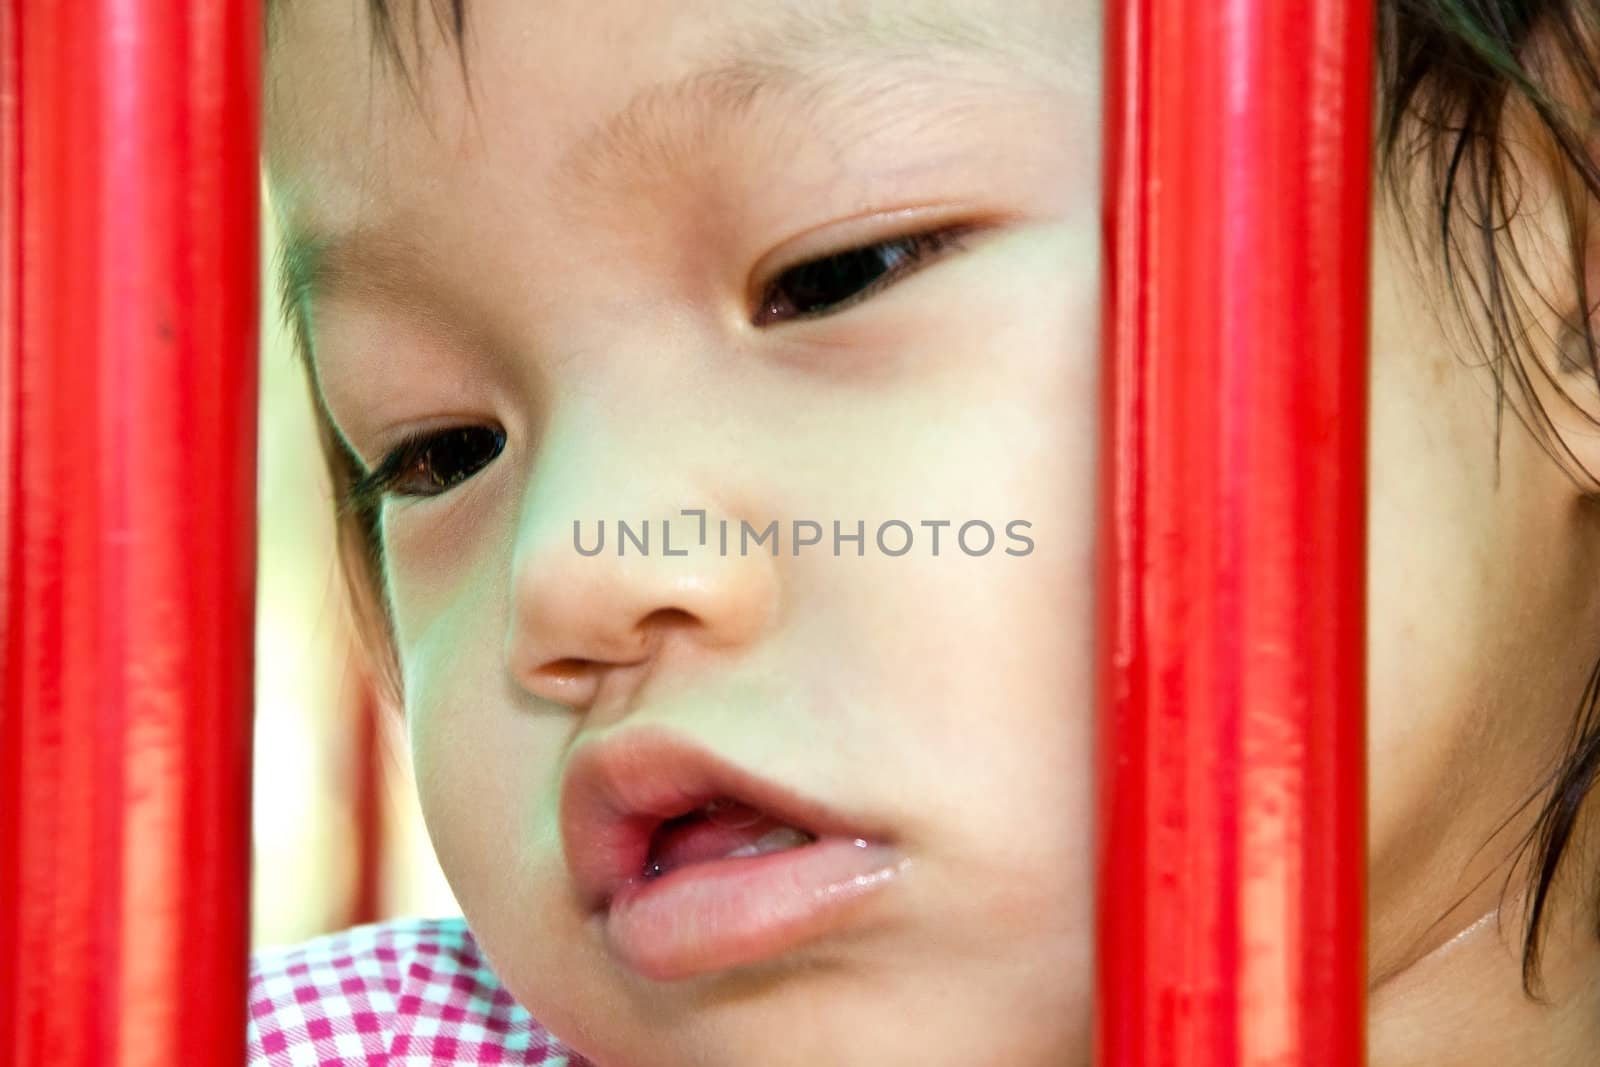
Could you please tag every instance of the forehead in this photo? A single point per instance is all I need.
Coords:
(549, 91)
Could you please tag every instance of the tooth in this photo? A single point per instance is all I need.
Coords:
(772, 841)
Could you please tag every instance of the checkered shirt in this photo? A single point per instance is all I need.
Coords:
(406, 993)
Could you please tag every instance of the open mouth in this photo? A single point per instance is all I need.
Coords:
(642, 806)
(689, 864)
(722, 829)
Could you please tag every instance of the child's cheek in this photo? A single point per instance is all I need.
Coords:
(447, 559)
(486, 764)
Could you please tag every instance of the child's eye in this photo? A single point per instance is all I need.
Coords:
(427, 464)
(834, 282)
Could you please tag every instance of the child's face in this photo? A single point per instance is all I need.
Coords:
(592, 254)
(576, 257)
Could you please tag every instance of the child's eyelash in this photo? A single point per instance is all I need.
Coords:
(829, 284)
(428, 463)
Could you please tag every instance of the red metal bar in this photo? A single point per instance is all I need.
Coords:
(127, 433)
(364, 713)
(10, 365)
(1233, 517)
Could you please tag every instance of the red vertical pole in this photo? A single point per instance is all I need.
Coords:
(127, 434)
(366, 796)
(1233, 516)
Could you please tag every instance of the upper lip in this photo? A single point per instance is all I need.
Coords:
(619, 788)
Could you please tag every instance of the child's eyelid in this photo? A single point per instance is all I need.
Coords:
(396, 456)
(376, 480)
(382, 444)
(863, 231)
(918, 252)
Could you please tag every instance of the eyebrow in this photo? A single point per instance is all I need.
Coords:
(310, 264)
(359, 259)
(807, 56)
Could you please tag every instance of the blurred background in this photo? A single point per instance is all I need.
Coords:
(337, 836)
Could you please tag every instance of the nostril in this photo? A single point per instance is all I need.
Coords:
(569, 671)
(572, 681)
(576, 680)
(668, 619)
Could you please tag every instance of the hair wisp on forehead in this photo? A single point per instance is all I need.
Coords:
(398, 29)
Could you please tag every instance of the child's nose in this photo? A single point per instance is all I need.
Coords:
(598, 608)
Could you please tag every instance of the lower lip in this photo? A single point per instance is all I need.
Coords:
(709, 917)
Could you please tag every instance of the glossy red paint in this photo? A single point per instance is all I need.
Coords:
(364, 712)
(1232, 510)
(127, 483)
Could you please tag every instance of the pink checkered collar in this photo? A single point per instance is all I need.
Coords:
(407, 992)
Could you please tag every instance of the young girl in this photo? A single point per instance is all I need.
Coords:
(675, 359)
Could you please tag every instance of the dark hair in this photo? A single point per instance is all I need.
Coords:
(1457, 79)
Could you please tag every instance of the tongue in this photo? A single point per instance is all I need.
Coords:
(700, 837)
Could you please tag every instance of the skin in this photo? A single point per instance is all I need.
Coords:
(570, 255)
